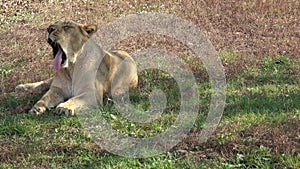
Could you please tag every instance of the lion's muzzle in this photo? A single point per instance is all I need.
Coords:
(58, 53)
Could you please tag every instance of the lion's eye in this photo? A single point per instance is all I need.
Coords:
(66, 27)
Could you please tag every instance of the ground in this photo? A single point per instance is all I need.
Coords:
(257, 41)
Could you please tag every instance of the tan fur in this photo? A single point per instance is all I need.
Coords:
(74, 87)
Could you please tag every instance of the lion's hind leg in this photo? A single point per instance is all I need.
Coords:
(37, 87)
(124, 79)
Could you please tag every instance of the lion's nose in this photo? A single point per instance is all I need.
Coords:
(51, 29)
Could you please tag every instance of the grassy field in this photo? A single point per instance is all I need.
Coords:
(258, 42)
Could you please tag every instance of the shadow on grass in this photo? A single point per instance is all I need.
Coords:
(273, 88)
(259, 103)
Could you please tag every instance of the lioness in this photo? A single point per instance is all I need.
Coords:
(85, 72)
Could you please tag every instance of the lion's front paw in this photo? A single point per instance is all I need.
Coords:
(65, 109)
(37, 110)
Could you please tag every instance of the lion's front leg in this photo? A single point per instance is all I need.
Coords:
(78, 103)
(51, 99)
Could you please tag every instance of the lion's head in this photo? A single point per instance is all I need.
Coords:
(67, 40)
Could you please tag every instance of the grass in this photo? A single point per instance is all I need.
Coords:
(230, 57)
(260, 53)
(5, 71)
(257, 121)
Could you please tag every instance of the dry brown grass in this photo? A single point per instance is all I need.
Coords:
(253, 28)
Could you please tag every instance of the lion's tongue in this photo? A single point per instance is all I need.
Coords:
(57, 60)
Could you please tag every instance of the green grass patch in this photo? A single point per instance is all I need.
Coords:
(261, 109)
(5, 70)
(230, 56)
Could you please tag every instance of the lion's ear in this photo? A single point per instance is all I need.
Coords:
(90, 29)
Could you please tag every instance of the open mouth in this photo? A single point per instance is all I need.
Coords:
(58, 54)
